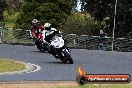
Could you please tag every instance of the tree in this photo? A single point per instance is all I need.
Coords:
(2, 5)
(124, 18)
(99, 8)
(79, 23)
(102, 8)
(53, 11)
(13, 6)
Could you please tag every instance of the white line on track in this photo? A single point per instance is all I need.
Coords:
(29, 69)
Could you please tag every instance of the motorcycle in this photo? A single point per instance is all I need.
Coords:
(40, 45)
(39, 42)
(58, 47)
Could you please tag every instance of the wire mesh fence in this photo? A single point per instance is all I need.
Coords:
(87, 42)
(18, 36)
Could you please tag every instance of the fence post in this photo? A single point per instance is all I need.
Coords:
(1, 34)
(74, 39)
(85, 45)
(29, 31)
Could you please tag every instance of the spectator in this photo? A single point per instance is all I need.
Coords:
(102, 39)
(101, 32)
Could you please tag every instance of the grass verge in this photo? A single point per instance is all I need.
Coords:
(60, 84)
(10, 65)
(99, 86)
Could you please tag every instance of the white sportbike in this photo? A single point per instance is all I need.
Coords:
(58, 47)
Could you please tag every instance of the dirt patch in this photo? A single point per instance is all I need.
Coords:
(38, 84)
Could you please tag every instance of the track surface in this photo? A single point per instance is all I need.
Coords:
(93, 61)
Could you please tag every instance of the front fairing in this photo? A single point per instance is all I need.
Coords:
(57, 42)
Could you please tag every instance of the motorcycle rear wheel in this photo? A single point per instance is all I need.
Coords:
(39, 47)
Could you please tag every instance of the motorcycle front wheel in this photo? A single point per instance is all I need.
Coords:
(67, 58)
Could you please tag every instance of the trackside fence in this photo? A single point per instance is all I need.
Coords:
(23, 37)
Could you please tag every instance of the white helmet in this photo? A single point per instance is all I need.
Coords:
(47, 25)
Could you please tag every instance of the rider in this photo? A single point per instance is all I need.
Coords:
(47, 32)
(36, 29)
(47, 35)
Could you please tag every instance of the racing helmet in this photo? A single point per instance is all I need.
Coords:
(35, 22)
(47, 26)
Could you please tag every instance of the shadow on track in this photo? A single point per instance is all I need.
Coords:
(54, 62)
(39, 52)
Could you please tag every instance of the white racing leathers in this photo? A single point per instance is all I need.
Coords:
(47, 32)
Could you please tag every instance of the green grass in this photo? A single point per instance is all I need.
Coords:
(99, 86)
(10, 65)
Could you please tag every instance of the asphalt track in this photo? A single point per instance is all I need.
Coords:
(93, 61)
